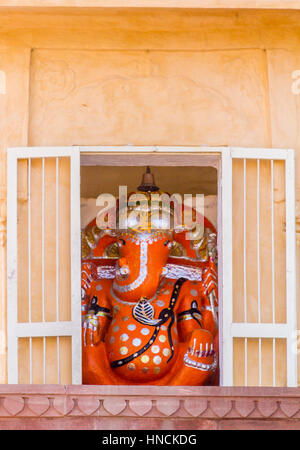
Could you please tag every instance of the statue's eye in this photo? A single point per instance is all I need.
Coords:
(166, 243)
(112, 250)
(121, 241)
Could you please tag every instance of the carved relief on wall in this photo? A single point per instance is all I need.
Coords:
(285, 108)
(93, 97)
(55, 79)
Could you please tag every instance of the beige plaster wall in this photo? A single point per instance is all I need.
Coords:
(147, 77)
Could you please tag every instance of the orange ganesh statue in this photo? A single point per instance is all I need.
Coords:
(148, 322)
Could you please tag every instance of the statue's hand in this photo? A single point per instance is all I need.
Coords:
(90, 329)
(210, 280)
(201, 353)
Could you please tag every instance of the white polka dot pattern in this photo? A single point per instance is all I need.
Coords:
(155, 349)
(136, 342)
(124, 337)
(145, 331)
(166, 351)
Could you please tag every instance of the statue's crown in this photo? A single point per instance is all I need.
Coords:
(148, 208)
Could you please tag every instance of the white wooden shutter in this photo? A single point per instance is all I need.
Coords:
(50, 243)
(259, 330)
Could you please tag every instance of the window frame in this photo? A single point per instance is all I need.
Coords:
(225, 156)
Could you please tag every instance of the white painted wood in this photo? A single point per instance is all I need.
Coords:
(259, 362)
(44, 360)
(76, 268)
(30, 360)
(258, 245)
(150, 149)
(43, 329)
(237, 152)
(291, 266)
(246, 361)
(43, 152)
(58, 359)
(260, 330)
(274, 362)
(265, 330)
(259, 153)
(12, 276)
(57, 235)
(40, 329)
(29, 240)
(220, 268)
(226, 282)
(245, 253)
(43, 239)
(273, 245)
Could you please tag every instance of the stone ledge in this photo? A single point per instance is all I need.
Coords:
(120, 406)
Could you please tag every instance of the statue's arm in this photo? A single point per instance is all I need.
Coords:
(198, 307)
(209, 311)
(96, 312)
(209, 307)
(189, 316)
